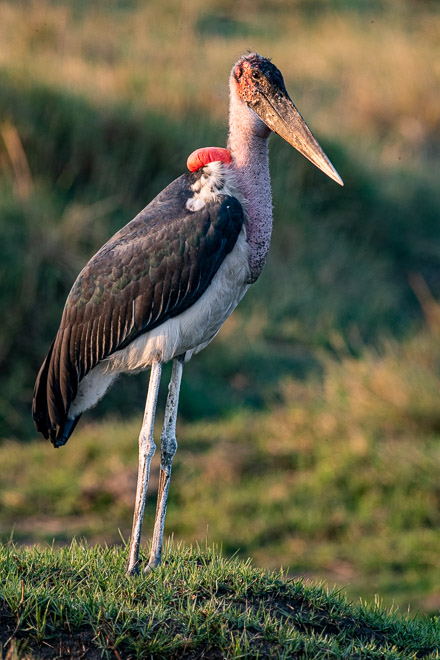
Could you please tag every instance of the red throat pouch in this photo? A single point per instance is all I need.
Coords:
(201, 157)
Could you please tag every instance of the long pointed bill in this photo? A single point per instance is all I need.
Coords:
(280, 114)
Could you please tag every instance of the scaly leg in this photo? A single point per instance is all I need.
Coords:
(168, 449)
(147, 448)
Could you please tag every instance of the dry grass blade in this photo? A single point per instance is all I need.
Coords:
(23, 179)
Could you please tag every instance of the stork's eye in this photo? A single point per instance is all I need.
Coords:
(256, 75)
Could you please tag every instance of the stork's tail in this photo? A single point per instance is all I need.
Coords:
(49, 420)
(67, 431)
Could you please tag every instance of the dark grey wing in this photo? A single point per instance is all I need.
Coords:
(154, 268)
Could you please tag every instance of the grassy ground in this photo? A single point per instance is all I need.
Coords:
(337, 482)
(77, 601)
(314, 414)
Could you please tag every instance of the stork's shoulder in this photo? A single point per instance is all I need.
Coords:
(211, 182)
(191, 194)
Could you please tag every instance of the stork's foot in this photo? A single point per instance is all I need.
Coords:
(152, 564)
(130, 571)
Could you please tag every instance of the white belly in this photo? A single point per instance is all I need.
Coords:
(187, 333)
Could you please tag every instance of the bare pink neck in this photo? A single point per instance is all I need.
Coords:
(248, 144)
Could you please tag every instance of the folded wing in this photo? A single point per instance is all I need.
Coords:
(153, 269)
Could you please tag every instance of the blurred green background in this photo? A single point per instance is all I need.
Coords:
(309, 433)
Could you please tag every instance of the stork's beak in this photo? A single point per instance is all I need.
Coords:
(279, 113)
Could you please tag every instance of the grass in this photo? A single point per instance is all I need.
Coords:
(337, 482)
(77, 601)
(314, 414)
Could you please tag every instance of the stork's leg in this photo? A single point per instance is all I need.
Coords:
(168, 449)
(147, 448)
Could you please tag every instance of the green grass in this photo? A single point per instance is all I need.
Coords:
(339, 481)
(77, 600)
(314, 414)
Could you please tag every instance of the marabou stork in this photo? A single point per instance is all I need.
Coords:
(161, 288)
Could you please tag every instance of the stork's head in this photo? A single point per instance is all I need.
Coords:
(260, 85)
